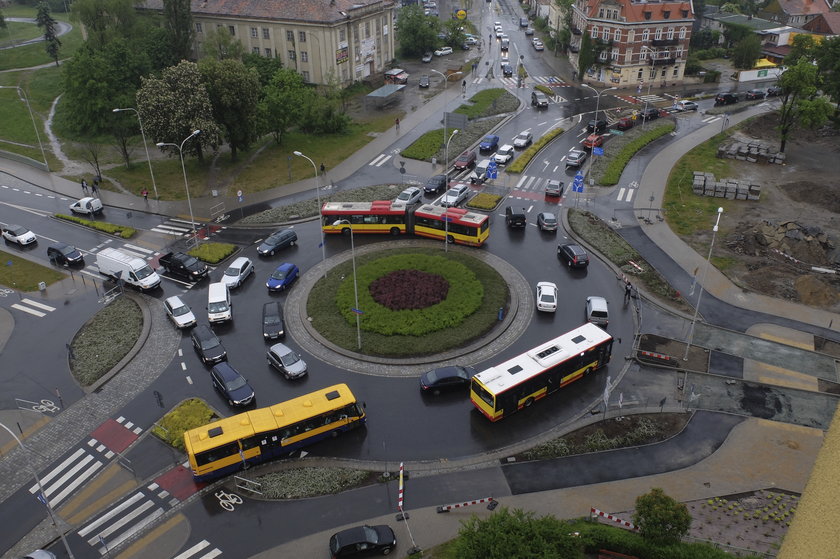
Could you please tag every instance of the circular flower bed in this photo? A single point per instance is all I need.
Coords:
(409, 289)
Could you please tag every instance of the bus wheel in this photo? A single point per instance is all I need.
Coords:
(395, 231)
(345, 231)
(588, 371)
(450, 239)
(528, 402)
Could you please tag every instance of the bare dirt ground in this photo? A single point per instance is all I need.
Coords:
(804, 191)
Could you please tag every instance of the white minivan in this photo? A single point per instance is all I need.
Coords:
(218, 303)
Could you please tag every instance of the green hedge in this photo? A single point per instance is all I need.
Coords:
(426, 146)
(484, 201)
(212, 253)
(481, 102)
(121, 231)
(465, 296)
(617, 162)
(522, 161)
(187, 415)
(545, 89)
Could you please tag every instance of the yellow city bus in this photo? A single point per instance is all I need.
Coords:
(455, 224)
(227, 445)
(518, 382)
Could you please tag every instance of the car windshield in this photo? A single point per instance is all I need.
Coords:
(279, 274)
(404, 196)
(190, 261)
(232, 271)
(289, 359)
(210, 343)
(143, 272)
(370, 534)
(271, 320)
(273, 239)
(17, 230)
(178, 311)
(522, 137)
(67, 250)
(217, 307)
(235, 383)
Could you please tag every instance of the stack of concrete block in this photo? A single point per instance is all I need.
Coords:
(704, 184)
(752, 152)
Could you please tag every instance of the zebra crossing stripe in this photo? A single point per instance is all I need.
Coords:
(47, 478)
(106, 533)
(193, 550)
(39, 314)
(136, 248)
(104, 518)
(39, 305)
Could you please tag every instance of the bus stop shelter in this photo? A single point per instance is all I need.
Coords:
(384, 96)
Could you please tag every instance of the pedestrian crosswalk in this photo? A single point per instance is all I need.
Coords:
(553, 81)
(138, 251)
(192, 552)
(175, 227)
(380, 160)
(33, 307)
(625, 194)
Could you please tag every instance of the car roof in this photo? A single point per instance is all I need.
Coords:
(203, 332)
(238, 262)
(280, 349)
(272, 306)
(285, 266)
(597, 303)
(577, 249)
(226, 371)
(506, 147)
(411, 189)
(524, 133)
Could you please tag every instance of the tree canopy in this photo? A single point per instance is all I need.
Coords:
(746, 52)
(234, 92)
(180, 32)
(104, 19)
(417, 33)
(660, 518)
(45, 20)
(801, 102)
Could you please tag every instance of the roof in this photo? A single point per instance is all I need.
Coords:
(386, 90)
(635, 11)
(309, 11)
(755, 23)
(824, 24)
(804, 7)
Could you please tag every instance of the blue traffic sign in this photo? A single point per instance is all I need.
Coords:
(492, 173)
(597, 151)
(577, 184)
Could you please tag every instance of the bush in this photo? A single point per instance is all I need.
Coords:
(617, 162)
(485, 201)
(187, 415)
(522, 161)
(426, 146)
(122, 231)
(300, 483)
(212, 253)
(105, 339)
(545, 89)
(486, 103)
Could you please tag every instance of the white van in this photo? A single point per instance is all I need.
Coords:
(132, 270)
(219, 307)
(597, 311)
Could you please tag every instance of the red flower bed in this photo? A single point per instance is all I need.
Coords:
(409, 289)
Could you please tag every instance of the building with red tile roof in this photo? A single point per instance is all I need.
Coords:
(794, 12)
(824, 24)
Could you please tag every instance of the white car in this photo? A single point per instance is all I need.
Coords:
(237, 272)
(409, 196)
(470, 40)
(499, 32)
(178, 312)
(19, 235)
(523, 139)
(546, 296)
(455, 195)
(443, 51)
(87, 206)
(504, 155)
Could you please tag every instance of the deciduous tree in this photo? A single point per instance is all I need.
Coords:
(586, 56)
(104, 19)
(801, 103)
(220, 44)
(417, 33)
(178, 22)
(660, 518)
(234, 91)
(828, 63)
(265, 66)
(746, 52)
(45, 20)
(282, 102)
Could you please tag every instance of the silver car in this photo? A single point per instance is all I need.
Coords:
(289, 363)
(179, 312)
(455, 195)
(523, 139)
(575, 158)
(237, 272)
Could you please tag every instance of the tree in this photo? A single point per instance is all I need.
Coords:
(175, 105)
(178, 23)
(516, 535)
(586, 56)
(234, 93)
(828, 63)
(454, 30)
(282, 102)
(104, 19)
(746, 52)
(220, 44)
(417, 32)
(660, 518)
(265, 66)
(800, 101)
(803, 46)
(45, 20)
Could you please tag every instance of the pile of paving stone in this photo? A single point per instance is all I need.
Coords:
(754, 152)
(704, 184)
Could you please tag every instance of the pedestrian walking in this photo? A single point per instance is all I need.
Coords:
(397, 123)
(84, 186)
(628, 291)
(323, 168)
(145, 194)
(94, 189)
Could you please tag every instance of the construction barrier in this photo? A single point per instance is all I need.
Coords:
(491, 504)
(594, 513)
(400, 496)
(659, 358)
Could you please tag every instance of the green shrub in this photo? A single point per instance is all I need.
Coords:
(484, 201)
(482, 103)
(426, 146)
(121, 231)
(186, 415)
(522, 161)
(620, 160)
(212, 253)
(545, 89)
(105, 339)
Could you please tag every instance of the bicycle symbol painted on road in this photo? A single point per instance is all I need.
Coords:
(228, 500)
(6, 291)
(44, 406)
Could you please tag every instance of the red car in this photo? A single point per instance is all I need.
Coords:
(593, 141)
(466, 160)
(624, 124)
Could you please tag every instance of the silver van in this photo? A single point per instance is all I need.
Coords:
(218, 303)
(597, 311)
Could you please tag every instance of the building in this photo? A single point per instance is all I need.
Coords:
(794, 12)
(324, 40)
(827, 25)
(640, 43)
(718, 21)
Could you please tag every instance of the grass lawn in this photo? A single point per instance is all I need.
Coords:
(23, 275)
(35, 54)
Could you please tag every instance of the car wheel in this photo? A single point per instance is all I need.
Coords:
(271, 253)
(386, 551)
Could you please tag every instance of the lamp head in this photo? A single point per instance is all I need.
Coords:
(160, 144)
(299, 154)
(720, 210)
(196, 132)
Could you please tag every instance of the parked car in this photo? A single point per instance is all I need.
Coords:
(575, 158)
(597, 311)
(87, 206)
(774, 90)
(178, 312)
(489, 143)
(507, 70)
(207, 345)
(596, 126)
(184, 266)
(286, 361)
(65, 255)
(455, 195)
(446, 378)
(546, 221)
(272, 321)
(686, 106)
(593, 141)
(443, 51)
(504, 154)
(282, 277)
(553, 187)
(471, 40)
(362, 541)
(546, 296)
(231, 385)
(424, 81)
(573, 255)
(19, 235)
(651, 113)
(726, 99)
(465, 161)
(427, 57)
(624, 123)
(523, 139)
(238, 272)
(435, 184)
(515, 216)
(754, 94)
(277, 241)
(539, 99)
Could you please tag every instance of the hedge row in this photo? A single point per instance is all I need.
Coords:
(121, 231)
(617, 162)
(545, 89)
(426, 146)
(522, 161)
(484, 201)
(481, 103)
(187, 415)
(212, 253)
(465, 296)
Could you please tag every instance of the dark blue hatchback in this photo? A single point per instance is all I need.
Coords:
(283, 277)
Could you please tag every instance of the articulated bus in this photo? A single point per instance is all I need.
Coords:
(227, 445)
(436, 222)
(517, 383)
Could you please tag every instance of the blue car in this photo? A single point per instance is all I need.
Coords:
(283, 277)
(489, 143)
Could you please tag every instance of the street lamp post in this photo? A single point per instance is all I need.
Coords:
(184, 170)
(598, 97)
(356, 310)
(145, 145)
(445, 81)
(699, 295)
(22, 93)
(446, 154)
(41, 494)
(320, 218)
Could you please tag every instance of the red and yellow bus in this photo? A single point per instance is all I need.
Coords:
(435, 222)
(519, 382)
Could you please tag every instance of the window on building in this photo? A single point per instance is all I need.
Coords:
(670, 32)
(678, 53)
(594, 32)
(639, 75)
(302, 36)
(255, 50)
(652, 73)
(603, 56)
(291, 55)
(232, 30)
(645, 35)
(631, 35)
(676, 71)
(254, 33)
(666, 14)
(306, 76)
(682, 32)
(614, 54)
(342, 36)
(267, 52)
(265, 33)
(658, 33)
(304, 56)
(290, 36)
(617, 36)
(601, 12)
(198, 28)
(664, 70)
(367, 30)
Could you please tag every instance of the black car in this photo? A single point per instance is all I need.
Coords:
(574, 255)
(726, 99)
(363, 541)
(424, 81)
(435, 184)
(507, 70)
(231, 385)
(446, 378)
(276, 241)
(773, 91)
(596, 126)
(207, 345)
(273, 326)
(651, 113)
(754, 94)
(65, 255)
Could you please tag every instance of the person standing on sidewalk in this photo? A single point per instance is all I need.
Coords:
(145, 194)
(84, 186)
(397, 123)
(323, 168)
(628, 291)
(94, 189)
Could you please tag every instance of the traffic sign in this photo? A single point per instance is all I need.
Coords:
(597, 151)
(461, 14)
(492, 170)
(577, 184)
